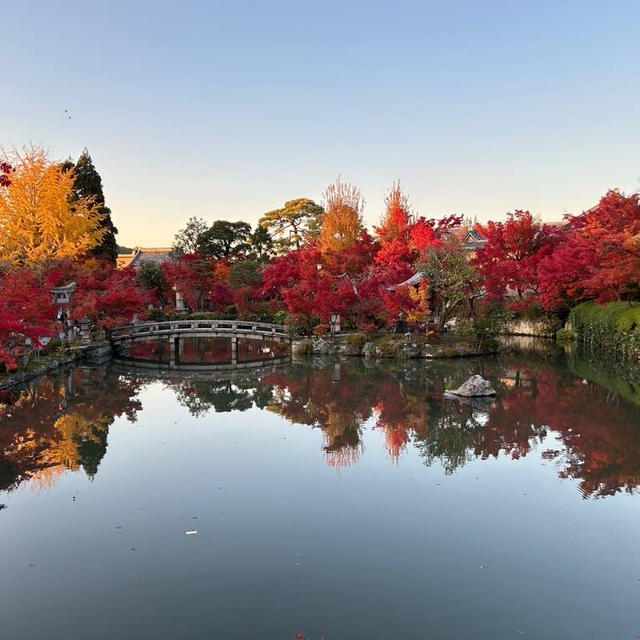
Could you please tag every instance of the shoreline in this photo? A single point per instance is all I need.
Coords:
(382, 346)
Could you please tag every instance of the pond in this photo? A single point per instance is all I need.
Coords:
(330, 499)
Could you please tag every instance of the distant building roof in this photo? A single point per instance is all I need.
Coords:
(473, 239)
(414, 279)
(66, 288)
(144, 254)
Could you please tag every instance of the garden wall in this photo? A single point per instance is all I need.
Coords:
(542, 327)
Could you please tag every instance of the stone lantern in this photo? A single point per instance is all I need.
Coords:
(335, 323)
(179, 300)
(85, 329)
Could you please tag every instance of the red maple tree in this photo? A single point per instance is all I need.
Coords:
(509, 260)
(599, 258)
(27, 315)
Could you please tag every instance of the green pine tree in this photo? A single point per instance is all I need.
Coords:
(89, 183)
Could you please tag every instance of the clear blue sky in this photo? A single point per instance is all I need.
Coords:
(227, 109)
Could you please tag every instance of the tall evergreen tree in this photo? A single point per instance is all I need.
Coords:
(89, 183)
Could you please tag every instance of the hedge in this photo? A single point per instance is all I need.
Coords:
(613, 327)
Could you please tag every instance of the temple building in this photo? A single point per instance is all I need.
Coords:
(144, 254)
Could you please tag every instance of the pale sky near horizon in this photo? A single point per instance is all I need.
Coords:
(227, 109)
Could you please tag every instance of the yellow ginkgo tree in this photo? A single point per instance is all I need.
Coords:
(40, 218)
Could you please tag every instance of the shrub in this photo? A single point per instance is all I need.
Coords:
(614, 327)
(279, 317)
(53, 346)
(206, 315)
(357, 340)
(304, 348)
(366, 326)
(464, 328)
(565, 335)
(297, 325)
(155, 315)
(321, 330)
(482, 329)
(389, 348)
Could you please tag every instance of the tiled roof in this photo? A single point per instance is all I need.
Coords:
(66, 288)
(144, 254)
(474, 240)
(414, 279)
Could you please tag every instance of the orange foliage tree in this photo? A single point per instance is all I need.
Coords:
(39, 218)
(342, 220)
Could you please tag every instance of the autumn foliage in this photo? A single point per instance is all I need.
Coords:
(27, 315)
(510, 259)
(342, 219)
(39, 218)
(108, 297)
(599, 257)
(326, 262)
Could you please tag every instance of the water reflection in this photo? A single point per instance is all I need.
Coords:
(199, 351)
(61, 422)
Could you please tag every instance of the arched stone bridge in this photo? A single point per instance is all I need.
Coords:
(174, 330)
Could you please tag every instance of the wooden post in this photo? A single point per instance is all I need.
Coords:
(234, 350)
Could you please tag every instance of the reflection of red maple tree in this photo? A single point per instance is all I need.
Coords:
(151, 349)
(601, 441)
(61, 422)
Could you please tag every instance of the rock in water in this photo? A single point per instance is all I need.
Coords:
(475, 386)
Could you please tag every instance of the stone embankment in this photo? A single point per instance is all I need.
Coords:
(46, 366)
(407, 346)
(543, 327)
(92, 354)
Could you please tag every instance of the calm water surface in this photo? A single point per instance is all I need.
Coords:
(332, 499)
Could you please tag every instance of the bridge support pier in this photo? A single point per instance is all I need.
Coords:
(173, 351)
(234, 350)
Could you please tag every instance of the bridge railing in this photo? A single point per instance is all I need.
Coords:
(232, 327)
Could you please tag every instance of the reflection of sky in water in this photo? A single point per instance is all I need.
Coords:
(423, 528)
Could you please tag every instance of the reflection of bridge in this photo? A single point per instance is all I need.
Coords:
(174, 330)
(216, 372)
